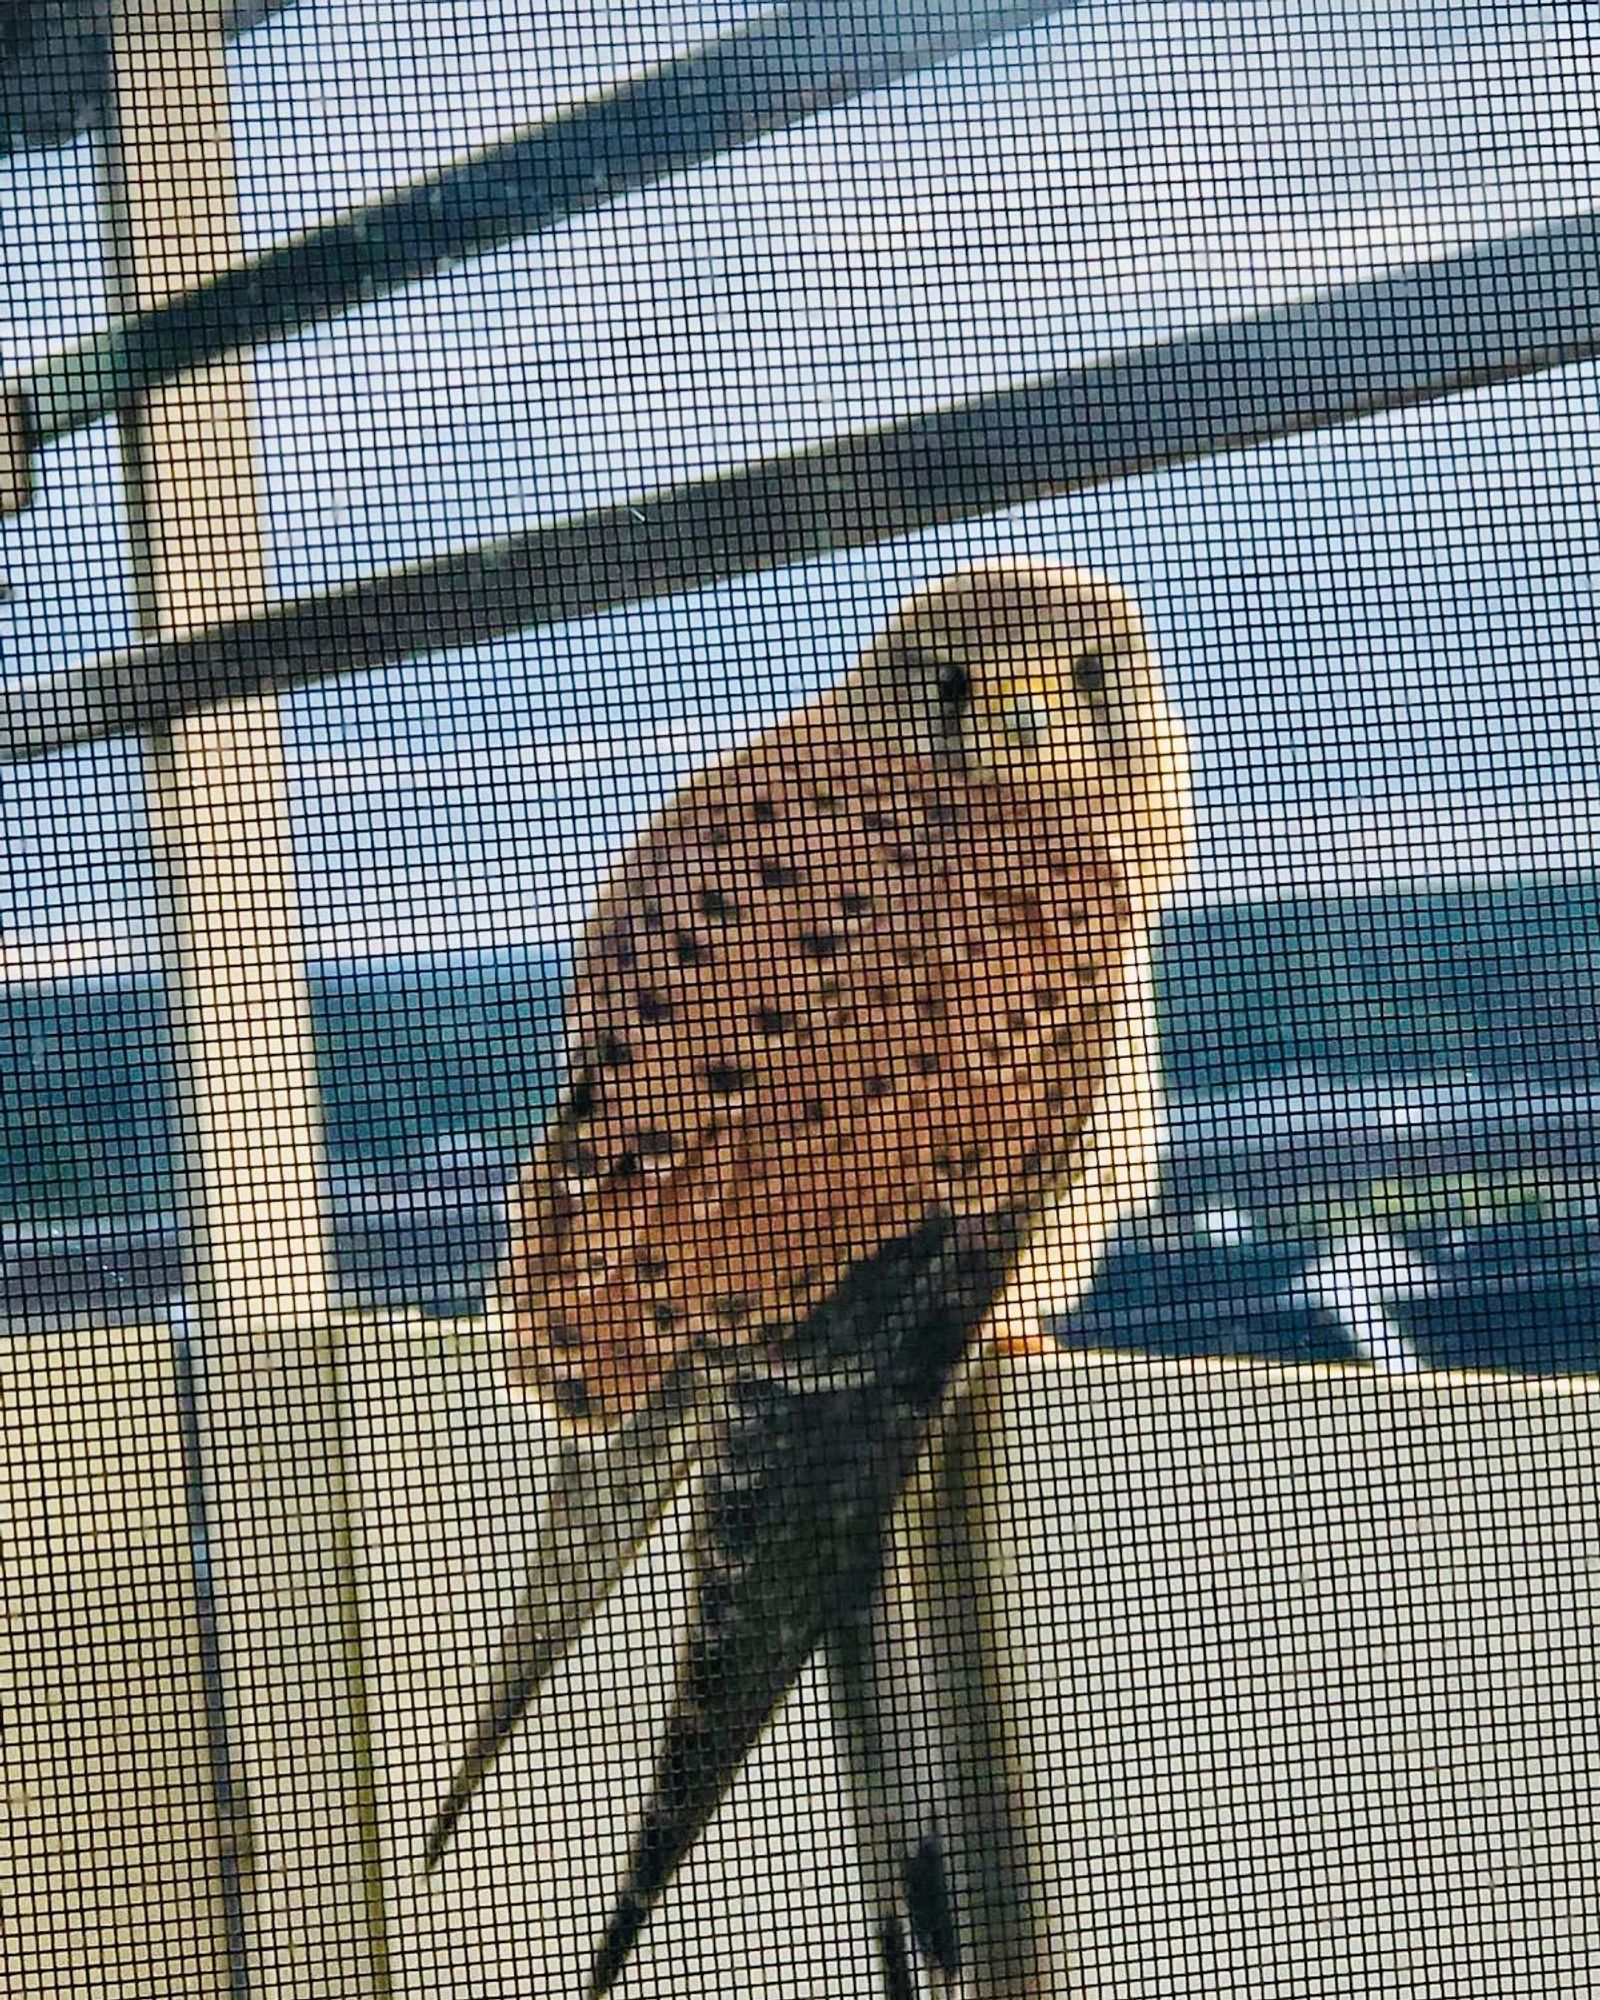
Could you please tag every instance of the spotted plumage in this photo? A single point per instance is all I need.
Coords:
(780, 1071)
(860, 1017)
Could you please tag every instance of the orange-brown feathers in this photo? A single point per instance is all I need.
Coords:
(828, 990)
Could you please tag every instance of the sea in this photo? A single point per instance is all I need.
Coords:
(1384, 1132)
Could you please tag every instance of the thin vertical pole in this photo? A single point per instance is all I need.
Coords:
(250, 1154)
(1015, 1920)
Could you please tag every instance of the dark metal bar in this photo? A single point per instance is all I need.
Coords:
(786, 66)
(16, 460)
(55, 66)
(1489, 314)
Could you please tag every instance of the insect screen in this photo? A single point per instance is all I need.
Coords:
(799, 1178)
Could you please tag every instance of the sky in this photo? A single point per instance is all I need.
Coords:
(1382, 637)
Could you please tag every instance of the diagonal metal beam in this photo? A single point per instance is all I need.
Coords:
(1490, 314)
(787, 65)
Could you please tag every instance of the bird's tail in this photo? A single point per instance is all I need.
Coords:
(804, 1473)
(885, 1721)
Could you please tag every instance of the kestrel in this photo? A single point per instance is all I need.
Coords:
(861, 1065)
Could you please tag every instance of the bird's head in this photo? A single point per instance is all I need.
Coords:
(1042, 678)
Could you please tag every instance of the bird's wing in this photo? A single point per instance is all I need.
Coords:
(606, 1493)
(822, 998)
(830, 990)
(822, 1427)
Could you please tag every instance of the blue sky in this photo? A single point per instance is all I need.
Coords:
(1383, 638)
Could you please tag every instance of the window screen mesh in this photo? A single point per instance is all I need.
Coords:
(1061, 1453)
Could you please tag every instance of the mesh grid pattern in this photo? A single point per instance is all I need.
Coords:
(1063, 1454)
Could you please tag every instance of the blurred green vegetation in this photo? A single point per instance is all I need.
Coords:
(1441, 1204)
(1498, 981)
(411, 1055)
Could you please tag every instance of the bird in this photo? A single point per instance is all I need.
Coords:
(861, 1071)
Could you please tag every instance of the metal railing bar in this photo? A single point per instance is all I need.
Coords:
(1489, 314)
(786, 66)
(55, 68)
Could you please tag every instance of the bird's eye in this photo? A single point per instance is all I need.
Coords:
(955, 692)
(1089, 674)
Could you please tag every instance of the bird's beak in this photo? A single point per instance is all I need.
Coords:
(1026, 721)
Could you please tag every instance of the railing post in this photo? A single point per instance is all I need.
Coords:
(250, 1165)
(1018, 1929)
